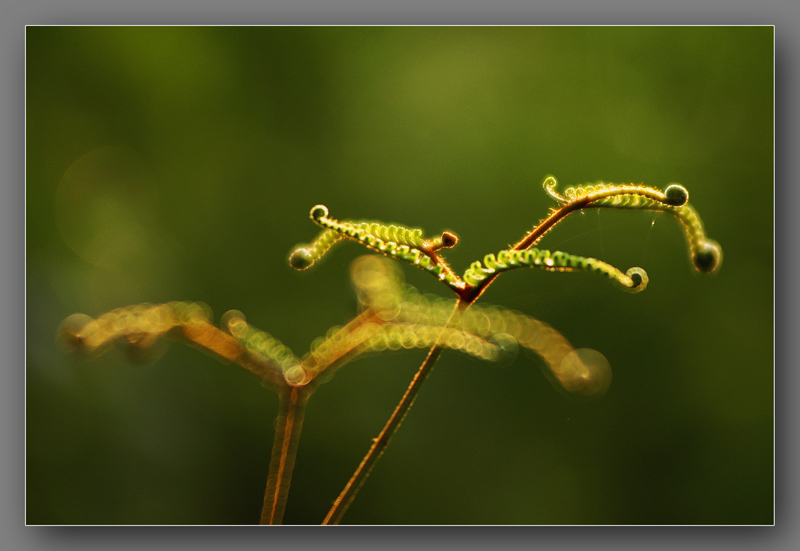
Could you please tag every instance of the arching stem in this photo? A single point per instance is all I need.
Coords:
(471, 293)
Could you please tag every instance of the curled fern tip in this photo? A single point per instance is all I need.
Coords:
(638, 278)
(318, 212)
(550, 184)
(708, 257)
(301, 258)
(676, 195)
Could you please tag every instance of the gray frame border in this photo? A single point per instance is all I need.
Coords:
(16, 14)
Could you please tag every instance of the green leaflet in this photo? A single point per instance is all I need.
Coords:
(634, 280)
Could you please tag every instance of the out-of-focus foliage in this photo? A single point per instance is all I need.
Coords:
(393, 317)
(181, 163)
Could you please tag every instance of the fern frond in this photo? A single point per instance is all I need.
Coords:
(407, 244)
(631, 196)
(705, 253)
(634, 280)
(140, 328)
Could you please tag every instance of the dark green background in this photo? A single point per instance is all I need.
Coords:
(181, 163)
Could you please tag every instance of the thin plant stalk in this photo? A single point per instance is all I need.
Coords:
(380, 443)
(289, 424)
(292, 408)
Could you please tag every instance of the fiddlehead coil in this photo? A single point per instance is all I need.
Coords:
(634, 280)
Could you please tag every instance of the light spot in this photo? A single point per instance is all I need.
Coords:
(584, 373)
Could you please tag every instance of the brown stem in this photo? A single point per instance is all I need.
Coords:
(380, 443)
(284, 450)
(471, 293)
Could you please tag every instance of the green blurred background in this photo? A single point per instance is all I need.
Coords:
(180, 163)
